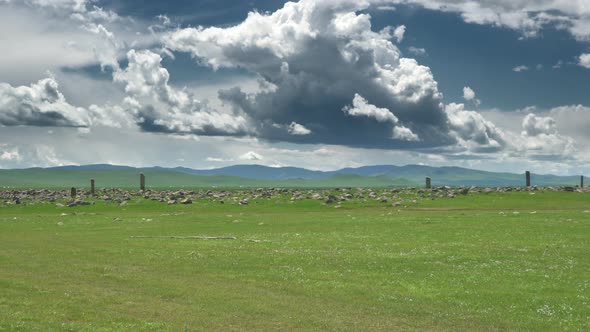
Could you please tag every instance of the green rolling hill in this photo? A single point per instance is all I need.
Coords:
(108, 176)
(160, 179)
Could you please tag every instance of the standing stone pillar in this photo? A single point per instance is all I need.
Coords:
(428, 183)
(141, 181)
(528, 178)
(92, 188)
(582, 181)
(73, 192)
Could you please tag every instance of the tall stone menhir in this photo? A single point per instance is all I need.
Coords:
(141, 181)
(428, 183)
(528, 178)
(582, 181)
(92, 189)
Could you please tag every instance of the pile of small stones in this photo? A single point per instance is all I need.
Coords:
(391, 196)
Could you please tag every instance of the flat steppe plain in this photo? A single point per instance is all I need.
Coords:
(478, 262)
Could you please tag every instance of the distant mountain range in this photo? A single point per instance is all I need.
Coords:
(261, 176)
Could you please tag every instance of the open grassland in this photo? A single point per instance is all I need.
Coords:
(490, 262)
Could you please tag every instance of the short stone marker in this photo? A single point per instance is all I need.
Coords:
(428, 183)
(141, 181)
(528, 178)
(73, 192)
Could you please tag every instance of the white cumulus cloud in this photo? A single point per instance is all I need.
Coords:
(298, 129)
(361, 108)
(534, 125)
(474, 131)
(584, 60)
(159, 107)
(542, 139)
(40, 104)
(316, 56)
(469, 95)
(399, 33)
(527, 17)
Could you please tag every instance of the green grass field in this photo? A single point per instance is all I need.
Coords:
(489, 262)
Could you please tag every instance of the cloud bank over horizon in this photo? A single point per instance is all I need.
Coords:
(312, 83)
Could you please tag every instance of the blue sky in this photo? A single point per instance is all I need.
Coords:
(502, 85)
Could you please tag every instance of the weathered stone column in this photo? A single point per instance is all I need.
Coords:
(582, 181)
(528, 178)
(428, 183)
(73, 192)
(141, 181)
(92, 188)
